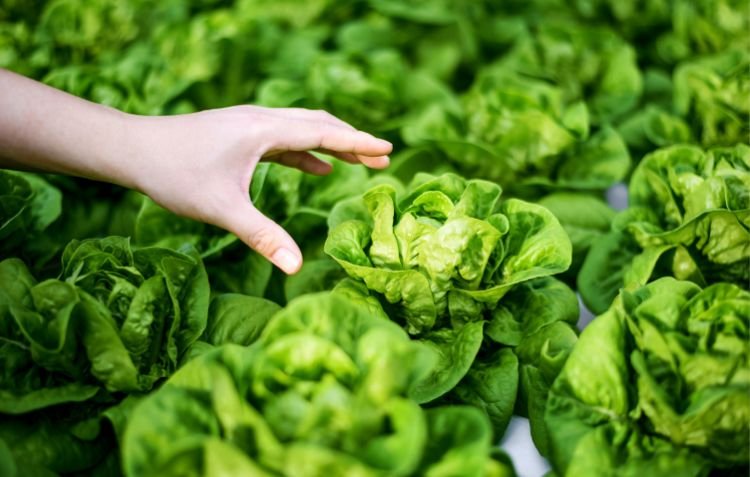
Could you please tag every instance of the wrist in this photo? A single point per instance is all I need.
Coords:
(124, 159)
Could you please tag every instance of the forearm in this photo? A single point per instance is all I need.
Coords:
(45, 129)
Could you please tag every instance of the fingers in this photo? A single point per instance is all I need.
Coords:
(308, 136)
(265, 237)
(301, 160)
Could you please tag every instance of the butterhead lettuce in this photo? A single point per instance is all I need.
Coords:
(452, 263)
(688, 217)
(116, 322)
(323, 392)
(658, 384)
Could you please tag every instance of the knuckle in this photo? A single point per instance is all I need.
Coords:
(328, 116)
(263, 241)
(246, 110)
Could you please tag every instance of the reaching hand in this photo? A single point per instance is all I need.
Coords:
(196, 165)
(200, 165)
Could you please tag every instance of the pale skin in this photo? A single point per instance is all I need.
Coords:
(196, 165)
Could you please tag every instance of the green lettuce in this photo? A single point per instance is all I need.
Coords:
(667, 392)
(116, 322)
(450, 263)
(324, 391)
(688, 217)
(587, 62)
(713, 95)
(669, 31)
(521, 133)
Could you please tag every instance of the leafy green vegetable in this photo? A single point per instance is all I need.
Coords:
(590, 63)
(520, 132)
(667, 391)
(713, 94)
(323, 392)
(450, 245)
(443, 259)
(116, 322)
(689, 218)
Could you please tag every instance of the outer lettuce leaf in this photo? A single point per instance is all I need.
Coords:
(586, 219)
(491, 385)
(456, 350)
(237, 319)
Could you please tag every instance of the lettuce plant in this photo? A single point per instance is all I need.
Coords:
(116, 322)
(713, 95)
(659, 384)
(521, 133)
(704, 102)
(588, 63)
(324, 391)
(452, 264)
(688, 217)
(669, 31)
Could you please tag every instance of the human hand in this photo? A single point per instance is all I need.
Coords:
(200, 165)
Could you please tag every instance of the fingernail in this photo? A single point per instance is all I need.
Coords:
(286, 260)
(387, 160)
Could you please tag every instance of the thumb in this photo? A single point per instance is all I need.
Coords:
(265, 237)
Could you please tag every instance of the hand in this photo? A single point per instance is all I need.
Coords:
(200, 165)
(196, 165)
